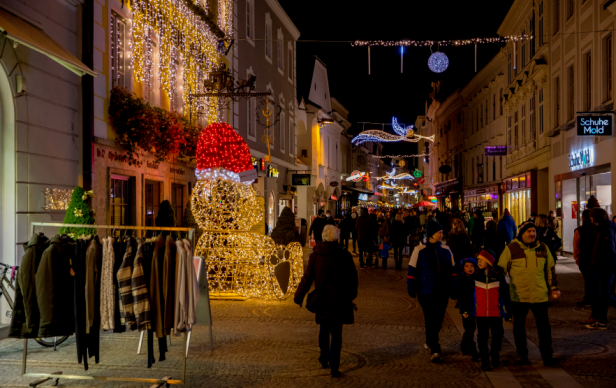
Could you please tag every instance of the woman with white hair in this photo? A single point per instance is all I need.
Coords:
(333, 271)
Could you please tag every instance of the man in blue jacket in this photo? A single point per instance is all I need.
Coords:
(507, 228)
(431, 279)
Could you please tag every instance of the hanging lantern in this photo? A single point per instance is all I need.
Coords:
(438, 62)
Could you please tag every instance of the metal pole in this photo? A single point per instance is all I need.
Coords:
(368, 59)
(25, 356)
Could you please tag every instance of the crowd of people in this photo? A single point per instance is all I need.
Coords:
(494, 270)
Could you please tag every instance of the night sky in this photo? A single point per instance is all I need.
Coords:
(386, 92)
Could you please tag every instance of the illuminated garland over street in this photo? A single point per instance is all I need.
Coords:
(404, 134)
(455, 42)
(399, 156)
(392, 175)
(182, 36)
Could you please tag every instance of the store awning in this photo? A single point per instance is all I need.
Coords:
(20, 31)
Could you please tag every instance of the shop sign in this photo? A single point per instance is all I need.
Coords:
(574, 210)
(377, 193)
(595, 125)
(432, 199)
(177, 171)
(300, 179)
(248, 175)
(272, 172)
(496, 150)
(363, 197)
(417, 173)
(333, 183)
(581, 158)
(357, 176)
(333, 197)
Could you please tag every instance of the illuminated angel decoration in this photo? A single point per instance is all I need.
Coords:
(392, 186)
(392, 175)
(403, 134)
(408, 190)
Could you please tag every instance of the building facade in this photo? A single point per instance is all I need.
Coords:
(485, 149)
(41, 85)
(581, 75)
(266, 49)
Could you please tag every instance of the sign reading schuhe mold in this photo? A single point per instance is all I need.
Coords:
(588, 125)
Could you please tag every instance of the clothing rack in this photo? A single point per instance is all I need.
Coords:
(157, 382)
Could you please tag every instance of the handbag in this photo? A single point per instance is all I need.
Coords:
(313, 303)
(312, 243)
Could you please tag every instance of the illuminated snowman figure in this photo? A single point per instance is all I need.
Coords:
(237, 260)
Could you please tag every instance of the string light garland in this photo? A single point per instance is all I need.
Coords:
(451, 42)
(237, 260)
(183, 34)
(392, 175)
(404, 134)
(399, 156)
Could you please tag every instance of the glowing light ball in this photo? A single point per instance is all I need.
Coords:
(438, 62)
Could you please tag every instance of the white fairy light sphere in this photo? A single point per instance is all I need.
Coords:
(438, 62)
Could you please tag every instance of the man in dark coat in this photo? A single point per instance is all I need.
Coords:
(317, 227)
(584, 239)
(333, 271)
(431, 279)
(478, 232)
(367, 228)
(507, 227)
(603, 267)
(346, 229)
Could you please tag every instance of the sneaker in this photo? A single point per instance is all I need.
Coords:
(436, 358)
(523, 361)
(336, 373)
(597, 325)
(551, 362)
(589, 321)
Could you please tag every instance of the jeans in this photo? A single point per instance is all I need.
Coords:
(468, 338)
(398, 256)
(485, 325)
(540, 311)
(433, 307)
(331, 354)
(602, 295)
(365, 247)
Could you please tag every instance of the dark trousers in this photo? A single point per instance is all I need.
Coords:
(540, 311)
(602, 295)
(367, 248)
(354, 241)
(485, 325)
(589, 289)
(398, 256)
(433, 307)
(331, 354)
(468, 338)
(345, 242)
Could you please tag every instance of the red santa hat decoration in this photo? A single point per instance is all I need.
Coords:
(222, 153)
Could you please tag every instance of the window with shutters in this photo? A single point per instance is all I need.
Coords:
(119, 61)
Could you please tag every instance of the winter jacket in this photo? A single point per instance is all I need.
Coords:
(187, 289)
(584, 239)
(604, 252)
(317, 228)
(125, 283)
(366, 229)
(107, 289)
(478, 233)
(384, 228)
(422, 219)
(384, 250)
(139, 290)
(347, 226)
(531, 271)
(397, 234)
(157, 301)
(465, 286)
(94, 256)
(507, 228)
(55, 287)
(471, 224)
(495, 242)
(333, 271)
(431, 271)
(460, 246)
(26, 316)
(489, 297)
(169, 269)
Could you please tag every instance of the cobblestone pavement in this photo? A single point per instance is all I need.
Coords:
(269, 344)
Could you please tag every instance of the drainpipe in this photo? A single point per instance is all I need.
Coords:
(87, 92)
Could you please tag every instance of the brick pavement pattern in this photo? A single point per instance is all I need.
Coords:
(271, 344)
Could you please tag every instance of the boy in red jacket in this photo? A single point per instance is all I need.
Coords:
(490, 304)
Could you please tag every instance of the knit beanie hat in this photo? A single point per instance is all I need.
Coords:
(467, 260)
(524, 227)
(432, 227)
(488, 256)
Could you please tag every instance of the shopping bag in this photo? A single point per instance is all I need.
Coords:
(406, 251)
(313, 243)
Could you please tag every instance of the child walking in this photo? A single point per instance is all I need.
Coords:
(465, 292)
(492, 304)
(384, 248)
